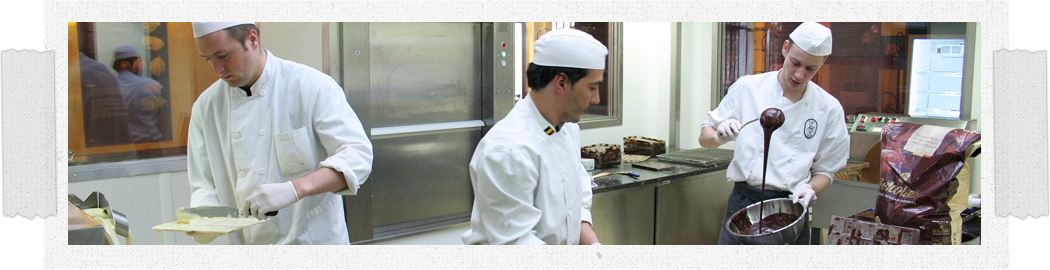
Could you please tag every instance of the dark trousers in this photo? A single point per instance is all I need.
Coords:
(744, 195)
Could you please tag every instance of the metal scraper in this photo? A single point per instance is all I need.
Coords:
(184, 214)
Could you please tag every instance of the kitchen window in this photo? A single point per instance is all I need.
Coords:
(885, 67)
(139, 114)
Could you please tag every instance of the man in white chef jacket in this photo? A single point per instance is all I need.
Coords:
(273, 135)
(805, 152)
(529, 185)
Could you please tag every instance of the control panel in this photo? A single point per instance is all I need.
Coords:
(873, 122)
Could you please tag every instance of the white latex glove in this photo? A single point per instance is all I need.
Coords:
(268, 198)
(803, 194)
(727, 131)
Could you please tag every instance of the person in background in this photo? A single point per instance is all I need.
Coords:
(105, 121)
(529, 185)
(273, 135)
(143, 97)
(805, 152)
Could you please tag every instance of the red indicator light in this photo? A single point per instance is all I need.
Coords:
(504, 44)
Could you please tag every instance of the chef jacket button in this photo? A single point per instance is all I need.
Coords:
(262, 171)
(263, 93)
(241, 173)
(261, 132)
(236, 135)
(238, 101)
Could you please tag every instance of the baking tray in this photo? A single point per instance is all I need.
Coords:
(654, 166)
(699, 157)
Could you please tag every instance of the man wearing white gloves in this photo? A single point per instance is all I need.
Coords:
(273, 136)
(529, 185)
(805, 152)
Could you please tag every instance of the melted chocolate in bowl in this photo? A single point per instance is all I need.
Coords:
(771, 119)
(768, 224)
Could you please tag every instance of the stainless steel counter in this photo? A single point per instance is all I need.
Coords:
(689, 211)
(647, 177)
(681, 206)
(625, 216)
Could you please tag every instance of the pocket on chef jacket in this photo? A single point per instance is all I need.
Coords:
(325, 224)
(294, 153)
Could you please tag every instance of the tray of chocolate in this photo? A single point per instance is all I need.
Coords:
(638, 145)
(699, 157)
(604, 155)
(633, 158)
(851, 231)
(654, 166)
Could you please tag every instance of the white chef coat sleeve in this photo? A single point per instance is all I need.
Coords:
(587, 194)
(834, 148)
(343, 137)
(728, 108)
(505, 185)
(198, 166)
(585, 178)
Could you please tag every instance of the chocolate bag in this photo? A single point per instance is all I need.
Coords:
(920, 187)
(853, 231)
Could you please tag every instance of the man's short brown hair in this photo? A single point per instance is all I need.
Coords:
(240, 33)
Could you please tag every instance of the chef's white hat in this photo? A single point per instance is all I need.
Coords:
(813, 38)
(201, 29)
(569, 48)
(125, 52)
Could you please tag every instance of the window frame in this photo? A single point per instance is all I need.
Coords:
(614, 112)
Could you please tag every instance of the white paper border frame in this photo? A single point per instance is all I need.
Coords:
(991, 254)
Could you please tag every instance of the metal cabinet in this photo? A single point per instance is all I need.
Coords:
(684, 211)
(843, 198)
(689, 211)
(625, 216)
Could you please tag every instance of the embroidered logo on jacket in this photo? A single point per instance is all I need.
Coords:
(811, 128)
(549, 131)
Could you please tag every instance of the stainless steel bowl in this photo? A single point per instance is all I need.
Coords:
(749, 215)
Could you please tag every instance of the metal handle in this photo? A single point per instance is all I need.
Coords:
(397, 131)
(748, 122)
(120, 223)
(745, 124)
